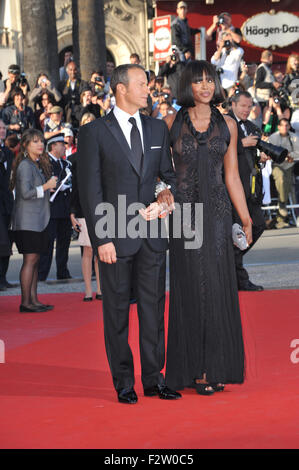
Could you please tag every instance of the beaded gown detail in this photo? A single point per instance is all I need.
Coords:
(205, 331)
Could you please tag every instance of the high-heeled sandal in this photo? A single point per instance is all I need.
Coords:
(217, 387)
(202, 388)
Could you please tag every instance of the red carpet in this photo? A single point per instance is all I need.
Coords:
(56, 391)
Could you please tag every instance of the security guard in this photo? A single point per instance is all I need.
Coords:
(59, 227)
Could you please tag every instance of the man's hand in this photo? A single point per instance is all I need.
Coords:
(107, 253)
(250, 141)
(264, 157)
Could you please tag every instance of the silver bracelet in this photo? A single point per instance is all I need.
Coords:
(161, 186)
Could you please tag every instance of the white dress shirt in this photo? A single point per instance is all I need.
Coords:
(123, 120)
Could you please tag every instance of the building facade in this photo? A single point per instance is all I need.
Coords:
(126, 22)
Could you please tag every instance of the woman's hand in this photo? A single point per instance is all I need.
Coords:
(51, 183)
(247, 227)
(75, 223)
(151, 212)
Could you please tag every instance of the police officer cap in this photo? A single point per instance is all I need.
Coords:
(56, 138)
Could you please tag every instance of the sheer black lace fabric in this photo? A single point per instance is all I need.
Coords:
(205, 332)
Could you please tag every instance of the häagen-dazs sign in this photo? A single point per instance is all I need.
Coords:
(271, 29)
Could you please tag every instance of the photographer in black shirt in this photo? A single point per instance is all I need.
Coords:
(15, 80)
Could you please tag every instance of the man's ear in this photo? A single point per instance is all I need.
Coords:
(121, 89)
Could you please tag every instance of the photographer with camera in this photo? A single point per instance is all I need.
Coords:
(222, 24)
(283, 173)
(43, 85)
(71, 90)
(160, 110)
(227, 60)
(275, 109)
(253, 152)
(18, 117)
(172, 70)
(87, 106)
(15, 80)
(251, 178)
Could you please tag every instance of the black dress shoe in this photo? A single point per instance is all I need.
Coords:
(45, 306)
(87, 299)
(33, 309)
(249, 286)
(164, 392)
(99, 297)
(127, 395)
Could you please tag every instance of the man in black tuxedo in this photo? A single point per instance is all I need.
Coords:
(6, 205)
(59, 227)
(120, 158)
(251, 178)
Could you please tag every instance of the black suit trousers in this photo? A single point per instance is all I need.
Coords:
(258, 226)
(61, 230)
(146, 269)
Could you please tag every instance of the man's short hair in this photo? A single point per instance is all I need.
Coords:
(283, 119)
(14, 68)
(192, 72)
(236, 97)
(266, 55)
(120, 75)
(17, 91)
(134, 55)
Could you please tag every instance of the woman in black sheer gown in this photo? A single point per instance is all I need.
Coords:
(205, 344)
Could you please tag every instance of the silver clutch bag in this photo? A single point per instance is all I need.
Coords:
(239, 237)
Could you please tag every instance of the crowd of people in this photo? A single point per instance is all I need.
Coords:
(58, 112)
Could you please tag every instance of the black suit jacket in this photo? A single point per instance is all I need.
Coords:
(105, 170)
(246, 161)
(6, 196)
(245, 154)
(60, 207)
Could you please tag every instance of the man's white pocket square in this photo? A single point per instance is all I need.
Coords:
(156, 147)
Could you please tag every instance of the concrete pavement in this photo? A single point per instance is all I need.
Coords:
(273, 262)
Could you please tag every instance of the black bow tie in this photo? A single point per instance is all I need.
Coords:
(242, 122)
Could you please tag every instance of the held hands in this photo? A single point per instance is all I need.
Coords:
(163, 206)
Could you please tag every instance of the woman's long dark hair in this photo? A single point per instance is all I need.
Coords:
(44, 161)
